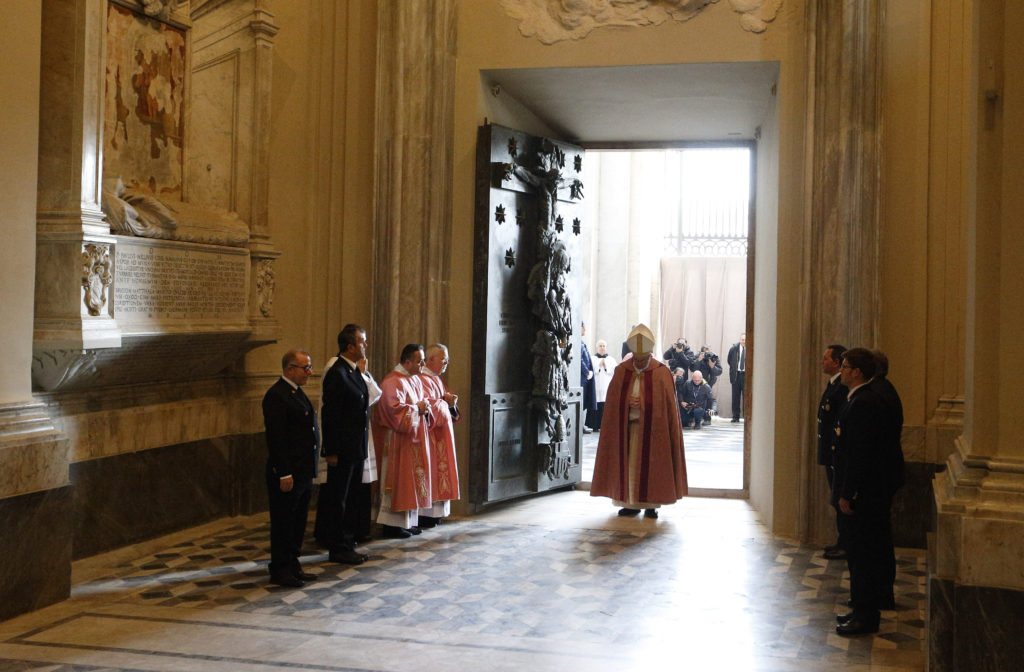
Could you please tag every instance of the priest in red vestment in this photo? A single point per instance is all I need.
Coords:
(445, 412)
(640, 462)
(402, 422)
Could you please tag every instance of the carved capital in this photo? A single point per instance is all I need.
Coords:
(97, 276)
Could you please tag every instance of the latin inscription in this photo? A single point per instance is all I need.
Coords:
(176, 283)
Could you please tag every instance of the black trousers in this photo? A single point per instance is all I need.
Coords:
(334, 529)
(289, 512)
(867, 536)
(737, 394)
(830, 475)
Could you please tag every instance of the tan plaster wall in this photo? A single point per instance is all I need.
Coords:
(489, 39)
(19, 138)
(321, 174)
(1010, 82)
(903, 249)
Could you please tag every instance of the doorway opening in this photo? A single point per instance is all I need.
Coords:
(633, 108)
(673, 223)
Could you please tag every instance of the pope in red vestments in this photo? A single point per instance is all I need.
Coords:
(640, 462)
(402, 432)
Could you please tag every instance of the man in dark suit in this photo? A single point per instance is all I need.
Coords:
(737, 359)
(832, 401)
(292, 436)
(346, 418)
(894, 430)
(863, 487)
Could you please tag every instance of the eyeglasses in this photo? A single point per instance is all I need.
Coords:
(307, 369)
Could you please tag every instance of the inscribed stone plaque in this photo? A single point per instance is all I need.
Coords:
(165, 280)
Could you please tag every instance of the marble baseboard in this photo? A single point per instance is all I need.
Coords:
(973, 628)
(138, 496)
(913, 507)
(35, 563)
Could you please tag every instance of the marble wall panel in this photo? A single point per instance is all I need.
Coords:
(214, 136)
(973, 628)
(940, 625)
(987, 629)
(132, 497)
(35, 563)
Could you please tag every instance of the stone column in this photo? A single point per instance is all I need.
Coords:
(413, 190)
(976, 586)
(841, 236)
(74, 305)
(35, 499)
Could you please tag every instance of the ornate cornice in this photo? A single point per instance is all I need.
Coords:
(552, 21)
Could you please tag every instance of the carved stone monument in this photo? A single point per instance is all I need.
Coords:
(527, 415)
(153, 260)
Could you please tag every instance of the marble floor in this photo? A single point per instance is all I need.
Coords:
(714, 455)
(552, 583)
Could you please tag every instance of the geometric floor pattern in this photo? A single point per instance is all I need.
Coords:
(557, 582)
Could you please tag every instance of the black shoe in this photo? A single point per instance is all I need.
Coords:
(735, 420)
(844, 618)
(286, 579)
(650, 513)
(392, 532)
(697, 425)
(837, 554)
(347, 557)
(415, 529)
(628, 512)
(832, 547)
(427, 522)
(856, 626)
(301, 575)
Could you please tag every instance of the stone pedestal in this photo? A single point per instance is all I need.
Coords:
(976, 580)
(35, 510)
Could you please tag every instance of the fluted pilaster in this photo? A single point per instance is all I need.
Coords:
(413, 191)
(841, 241)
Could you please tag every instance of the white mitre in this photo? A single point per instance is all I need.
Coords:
(641, 341)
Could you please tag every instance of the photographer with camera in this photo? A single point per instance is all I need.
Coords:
(709, 364)
(680, 356)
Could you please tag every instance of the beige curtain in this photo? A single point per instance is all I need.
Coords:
(703, 299)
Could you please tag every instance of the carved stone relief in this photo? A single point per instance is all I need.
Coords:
(184, 301)
(265, 286)
(552, 21)
(97, 275)
(138, 212)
